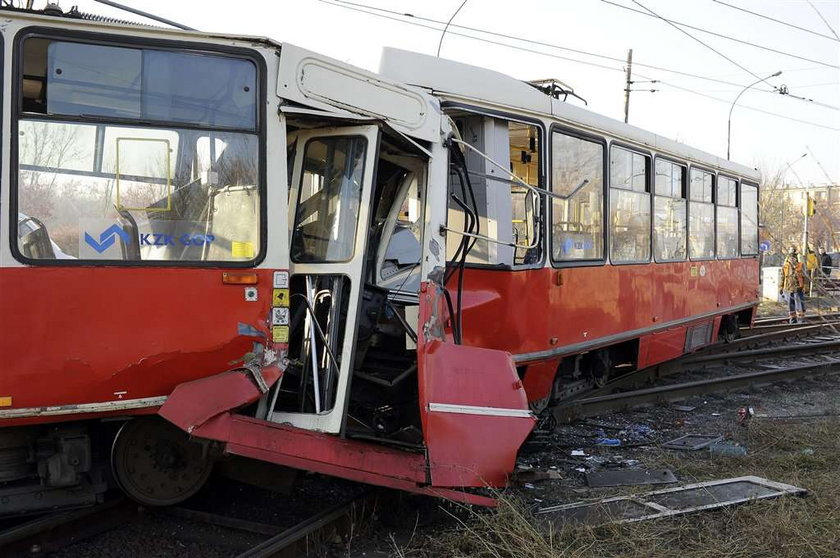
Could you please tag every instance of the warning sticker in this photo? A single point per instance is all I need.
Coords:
(241, 249)
(280, 297)
(280, 316)
(280, 334)
(281, 279)
(693, 271)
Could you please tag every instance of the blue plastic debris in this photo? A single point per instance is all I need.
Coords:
(607, 441)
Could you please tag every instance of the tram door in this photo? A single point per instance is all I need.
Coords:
(331, 178)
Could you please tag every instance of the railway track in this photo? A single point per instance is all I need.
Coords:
(61, 530)
(54, 531)
(783, 319)
(730, 365)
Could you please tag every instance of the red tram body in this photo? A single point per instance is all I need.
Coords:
(382, 277)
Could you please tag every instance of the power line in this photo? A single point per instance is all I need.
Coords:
(779, 21)
(362, 8)
(372, 10)
(448, 23)
(830, 28)
(724, 101)
(683, 31)
(722, 36)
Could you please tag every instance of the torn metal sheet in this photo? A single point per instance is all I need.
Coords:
(629, 477)
(692, 442)
(670, 502)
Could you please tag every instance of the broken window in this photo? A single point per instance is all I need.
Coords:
(503, 161)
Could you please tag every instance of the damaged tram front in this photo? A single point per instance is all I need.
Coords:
(217, 247)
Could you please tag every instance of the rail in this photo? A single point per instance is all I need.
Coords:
(593, 406)
(823, 353)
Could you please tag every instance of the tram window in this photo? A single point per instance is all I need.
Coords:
(669, 212)
(629, 206)
(199, 88)
(107, 169)
(702, 186)
(328, 200)
(701, 216)
(727, 218)
(118, 193)
(577, 174)
(749, 219)
(508, 212)
(524, 147)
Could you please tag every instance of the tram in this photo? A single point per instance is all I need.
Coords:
(217, 247)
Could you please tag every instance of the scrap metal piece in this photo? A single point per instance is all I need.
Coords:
(629, 477)
(670, 502)
(692, 442)
(684, 408)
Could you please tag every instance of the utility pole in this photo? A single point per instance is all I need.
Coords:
(627, 85)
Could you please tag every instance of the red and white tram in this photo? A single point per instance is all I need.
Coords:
(289, 259)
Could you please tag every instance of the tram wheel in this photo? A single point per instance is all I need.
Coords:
(156, 464)
(600, 368)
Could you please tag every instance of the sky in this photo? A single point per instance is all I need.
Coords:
(584, 43)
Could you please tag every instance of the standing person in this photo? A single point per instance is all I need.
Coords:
(811, 263)
(825, 262)
(793, 286)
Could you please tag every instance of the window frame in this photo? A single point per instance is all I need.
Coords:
(648, 187)
(299, 189)
(449, 106)
(737, 207)
(105, 39)
(685, 191)
(741, 184)
(713, 203)
(604, 143)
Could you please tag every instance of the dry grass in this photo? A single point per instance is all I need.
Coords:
(786, 527)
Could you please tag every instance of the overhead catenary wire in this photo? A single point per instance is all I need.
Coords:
(721, 35)
(448, 23)
(400, 17)
(687, 34)
(392, 16)
(819, 13)
(779, 21)
(728, 102)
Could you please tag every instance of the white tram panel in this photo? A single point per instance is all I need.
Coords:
(318, 81)
(461, 82)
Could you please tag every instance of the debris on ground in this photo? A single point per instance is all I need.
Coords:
(629, 477)
(669, 502)
(727, 448)
(692, 442)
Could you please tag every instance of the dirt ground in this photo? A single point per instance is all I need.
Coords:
(793, 437)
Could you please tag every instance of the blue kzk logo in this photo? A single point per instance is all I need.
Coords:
(107, 238)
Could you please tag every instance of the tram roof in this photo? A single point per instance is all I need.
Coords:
(469, 84)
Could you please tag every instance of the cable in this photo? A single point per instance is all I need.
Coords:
(748, 107)
(372, 10)
(830, 28)
(785, 23)
(524, 49)
(361, 8)
(442, 35)
(686, 33)
(720, 35)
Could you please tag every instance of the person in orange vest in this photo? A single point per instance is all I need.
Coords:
(793, 286)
